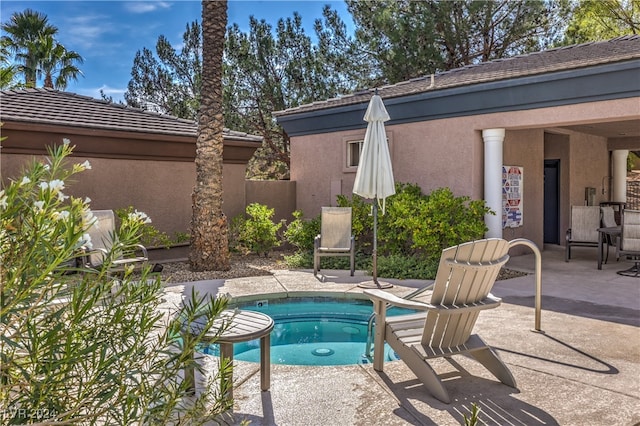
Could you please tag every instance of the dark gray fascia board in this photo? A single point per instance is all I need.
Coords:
(598, 83)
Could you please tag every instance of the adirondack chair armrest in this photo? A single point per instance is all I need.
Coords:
(379, 295)
(392, 299)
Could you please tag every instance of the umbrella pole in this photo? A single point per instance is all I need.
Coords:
(374, 253)
(375, 242)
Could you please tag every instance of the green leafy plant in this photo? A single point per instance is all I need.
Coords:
(181, 237)
(411, 234)
(444, 220)
(393, 236)
(473, 419)
(300, 233)
(406, 267)
(361, 221)
(258, 233)
(150, 235)
(80, 346)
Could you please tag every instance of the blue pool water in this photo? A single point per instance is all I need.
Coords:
(313, 331)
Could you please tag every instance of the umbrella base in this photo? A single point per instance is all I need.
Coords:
(374, 284)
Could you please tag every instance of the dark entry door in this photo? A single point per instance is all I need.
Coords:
(552, 201)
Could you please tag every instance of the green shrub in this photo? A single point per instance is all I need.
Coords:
(258, 233)
(78, 345)
(150, 235)
(443, 221)
(393, 236)
(361, 221)
(301, 233)
(416, 228)
(403, 267)
(300, 260)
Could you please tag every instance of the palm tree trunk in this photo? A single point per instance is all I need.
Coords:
(209, 228)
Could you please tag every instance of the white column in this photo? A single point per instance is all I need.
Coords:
(493, 141)
(620, 175)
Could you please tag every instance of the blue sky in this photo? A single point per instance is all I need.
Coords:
(107, 34)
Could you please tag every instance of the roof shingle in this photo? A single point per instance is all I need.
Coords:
(548, 61)
(48, 106)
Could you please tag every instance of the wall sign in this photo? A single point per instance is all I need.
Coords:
(511, 196)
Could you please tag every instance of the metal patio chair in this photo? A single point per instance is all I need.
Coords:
(630, 241)
(585, 221)
(102, 233)
(335, 237)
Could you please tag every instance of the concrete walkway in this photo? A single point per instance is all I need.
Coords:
(583, 369)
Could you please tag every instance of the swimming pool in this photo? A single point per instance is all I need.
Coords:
(313, 331)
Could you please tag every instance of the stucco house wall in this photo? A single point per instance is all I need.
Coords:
(161, 189)
(449, 153)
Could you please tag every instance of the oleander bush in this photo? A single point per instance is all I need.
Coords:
(79, 345)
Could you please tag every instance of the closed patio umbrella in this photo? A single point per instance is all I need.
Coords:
(374, 178)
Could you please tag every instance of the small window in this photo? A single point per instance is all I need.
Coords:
(354, 149)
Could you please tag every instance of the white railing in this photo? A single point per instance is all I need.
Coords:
(538, 272)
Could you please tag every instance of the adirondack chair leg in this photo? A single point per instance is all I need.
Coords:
(380, 310)
(425, 373)
(421, 368)
(495, 365)
(432, 382)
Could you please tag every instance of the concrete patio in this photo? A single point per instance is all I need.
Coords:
(584, 368)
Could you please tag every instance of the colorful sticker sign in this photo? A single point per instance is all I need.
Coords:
(511, 196)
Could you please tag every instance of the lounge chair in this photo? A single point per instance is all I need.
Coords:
(443, 326)
(630, 241)
(102, 232)
(335, 237)
(585, 221)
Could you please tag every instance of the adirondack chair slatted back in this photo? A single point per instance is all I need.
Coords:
(335, 228)
(466, 275)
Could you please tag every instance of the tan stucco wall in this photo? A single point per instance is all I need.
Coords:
(279, 195)
(162, 189)
(450, 152)
(432, 154)
(525, 148)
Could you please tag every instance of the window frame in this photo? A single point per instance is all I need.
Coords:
(347, 142)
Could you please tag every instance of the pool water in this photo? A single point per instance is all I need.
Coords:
(313, 331)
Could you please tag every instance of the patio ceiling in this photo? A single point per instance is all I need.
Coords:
(617, 129)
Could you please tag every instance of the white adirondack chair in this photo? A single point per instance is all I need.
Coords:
(443, 328)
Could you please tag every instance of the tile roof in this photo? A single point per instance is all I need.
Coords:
(48, 106)
(547, 61)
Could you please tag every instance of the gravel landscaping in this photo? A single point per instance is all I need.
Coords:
(251, 266)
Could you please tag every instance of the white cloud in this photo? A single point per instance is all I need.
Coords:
(94, 92)
(86, 30)
(146, 7)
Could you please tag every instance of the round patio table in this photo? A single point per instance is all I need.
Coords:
(239, 326)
